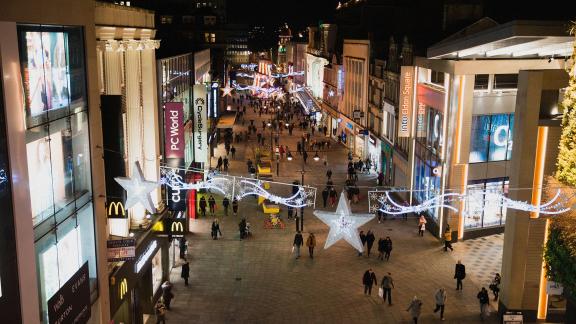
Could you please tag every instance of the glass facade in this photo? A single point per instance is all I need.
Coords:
(58, 154)
(491, 138)
(429, 142)
(483, 203)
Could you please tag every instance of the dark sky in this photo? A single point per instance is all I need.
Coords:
(297, 13)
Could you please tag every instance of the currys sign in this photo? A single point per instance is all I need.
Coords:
(174, 136)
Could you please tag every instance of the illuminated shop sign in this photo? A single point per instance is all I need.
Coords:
(123, 288)
(406, 93)
(173, 125)
(145, 256)
(200, 124)
(116, 209)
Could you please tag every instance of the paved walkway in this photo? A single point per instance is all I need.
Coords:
(258, 280)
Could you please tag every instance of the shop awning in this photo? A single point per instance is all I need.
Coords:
(226, 121)
(307, 100)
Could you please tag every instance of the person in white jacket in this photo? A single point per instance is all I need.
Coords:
(440, 298)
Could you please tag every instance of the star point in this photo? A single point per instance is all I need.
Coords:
(138, 189)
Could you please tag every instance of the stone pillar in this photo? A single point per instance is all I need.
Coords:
(112, 68)
(534, 156)
(134, 131)
(150, 117)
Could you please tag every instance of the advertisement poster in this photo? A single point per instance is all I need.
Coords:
(46, 76)
(71, 304)
(405, 102)
(121, 250)
(200, 131)
(174, 130)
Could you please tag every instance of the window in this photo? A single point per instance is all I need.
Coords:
(484, 204)
(210, 20)
(481, 82)
(165, 19)
(187, 19)
(505, 81)
(491, 138)
(437, 78)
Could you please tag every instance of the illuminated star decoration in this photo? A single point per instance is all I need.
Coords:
(138, 189)
(343, 224)
(226, 91)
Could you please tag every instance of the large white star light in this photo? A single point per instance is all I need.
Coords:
(343, 224)
(226, 91)
(138, 189)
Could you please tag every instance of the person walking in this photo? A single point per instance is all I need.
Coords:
(329, 174)
(202, 205)
(185, 272)
(305, 156)
(160, 311)
(242, 228)
(215, 229)
(225, 204)
(380, 179)
(381, 249)
(387, 284)
(415, 308)
(333, 195)
(311, 244)
(298, 241)
(421, 225)
(363, 240)
(219, 164)
(440, 299)
(495, 286)
(233, 152)
(182, 246)
(325, 194)
(459, 274)
(167, 294)
(226, 163)
(212, 204)
(290, 211)
(369, 280)
(369, 241)
(235, 206)
(387, 248)
(448, 240)
(484, 303)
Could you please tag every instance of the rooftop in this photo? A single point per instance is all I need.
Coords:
(515, 39)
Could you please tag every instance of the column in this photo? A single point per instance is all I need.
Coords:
(150, 120)
(112, 68)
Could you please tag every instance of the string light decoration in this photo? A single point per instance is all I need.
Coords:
(3, 177)
(172, 179)
(305, 196)
(138, 189)
(382, 201)
(343, 224)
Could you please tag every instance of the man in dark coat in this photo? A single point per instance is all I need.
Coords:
(225, 204)
(215, 229)
(202, 205)
(325, 193)
(368, 280)
(369, 241)
(185, 272)
(363, 239)
(182, 246)
(387, 247)
(167, 294)
(459, 274)
(212, 204)
(298, 242)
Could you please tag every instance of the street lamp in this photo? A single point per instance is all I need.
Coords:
(316, 158)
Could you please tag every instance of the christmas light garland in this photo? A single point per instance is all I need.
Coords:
(301, 198)
(3, 177)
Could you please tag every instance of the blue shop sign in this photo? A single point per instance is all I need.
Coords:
(349, 125)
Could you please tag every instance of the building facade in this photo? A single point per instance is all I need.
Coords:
(50, 108)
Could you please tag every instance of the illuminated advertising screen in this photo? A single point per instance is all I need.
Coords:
(491, 138)
(46, 72)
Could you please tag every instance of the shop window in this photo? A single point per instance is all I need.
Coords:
(505, 81)
(481, 82)
(491, 138)
(484, 204)
(437, 78)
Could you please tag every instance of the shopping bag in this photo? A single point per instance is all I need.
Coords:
(292, 248)
(380, 292)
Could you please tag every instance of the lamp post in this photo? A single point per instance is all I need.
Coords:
(302, 171)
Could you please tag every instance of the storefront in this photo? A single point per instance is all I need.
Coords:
(387, 163)
(359, 144)
(374, 153)
(136, 285)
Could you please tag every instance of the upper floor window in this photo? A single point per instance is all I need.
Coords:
(505, 81)
(165, 19)
(481, 82)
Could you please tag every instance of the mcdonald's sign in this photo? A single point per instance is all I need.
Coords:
(116, 209)
(177, 227)
(123, 288)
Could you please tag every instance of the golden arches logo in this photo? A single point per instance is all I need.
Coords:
(177, 227)
(117, 206)
(123, 288)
